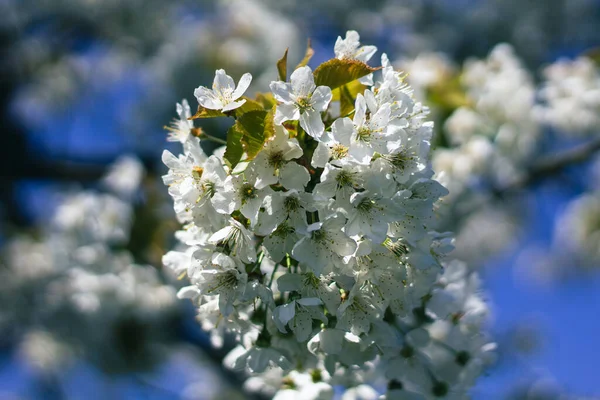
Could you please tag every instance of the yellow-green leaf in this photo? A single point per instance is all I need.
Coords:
(249, 105)
(346, 101)
(207, 113)
(282, 66)
(266, 99)
(256, 127)
(307, 56)
(354, 87)
(270, 124)
(335, 73)
(448, 95)
(234, 149)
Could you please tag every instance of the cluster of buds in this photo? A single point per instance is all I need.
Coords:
(308, 235)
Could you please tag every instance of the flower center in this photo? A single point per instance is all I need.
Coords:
(197, 173)
(440, 389)
(304, 104)
(344, 178)
(339, 151)
(283, 230)
(319, 236)
(363, 134)
(365, 205)
(224, 280)
(276, 159)
(247, 192)
(209, 188)
(399, 160)
(225, 95)
(462, 358)
(407, 352)
(291, 203)
(398, 248)
(310, 279)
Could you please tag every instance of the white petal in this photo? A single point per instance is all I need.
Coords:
(275, 245)
(294, 176)
(289, 282)
(293, 150)
(311, 122)
(366, 80)
(234, 105)
(342, 244)
(309, 301)
(242, 86)
(366, 52)
(302, 326)
(331, 341)
(286, 112)
(303, 82)
(381, 117)
(320, 156)
(170, 160)
(188, 292)
(342, 130)
(418, 337)
(226, 302)
(321, 98)
(286, 312)
(261, 172)
(258, 361)
(207, 99)
(307, 252)
(360, 107)
(251, 208)
(223, 202)
(282, 92)
(223, 81)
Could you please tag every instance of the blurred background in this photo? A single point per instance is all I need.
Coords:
(86, 86)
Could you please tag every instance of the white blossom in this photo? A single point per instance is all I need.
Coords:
(302, 100)
(224, 93)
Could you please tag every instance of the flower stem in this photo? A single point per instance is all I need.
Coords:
(213, 138)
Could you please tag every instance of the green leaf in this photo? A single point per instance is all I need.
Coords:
(282, 66)
(307, 55)
(346, 101)
(249, 105)
(234, 149)
(449, 95)
(270, 124)
(267, 100)
(594, 55)
(207, 113)
(335, 73)
(257, 127)
(354, 88)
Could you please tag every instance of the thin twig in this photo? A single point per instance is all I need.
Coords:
(551, 164)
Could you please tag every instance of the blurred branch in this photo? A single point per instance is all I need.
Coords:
(142, 381)
(71, 170)
(549, 165)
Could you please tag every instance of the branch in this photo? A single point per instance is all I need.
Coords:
(551, 164)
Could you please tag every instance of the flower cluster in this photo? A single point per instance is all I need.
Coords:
(76, 293)
(309, 236)
(488, 142)
(571, 93)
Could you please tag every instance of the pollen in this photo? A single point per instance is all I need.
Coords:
(276, 159)
(197, 172)
(339, 151)
(304, 104)
(344, 178)
(363, 134)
